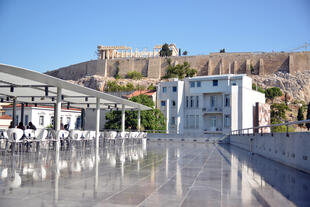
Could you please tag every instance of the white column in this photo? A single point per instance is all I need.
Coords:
(223, 111)
(130, 52)
(97, 121)
(139, 120)
(123, 117)
(113, 51)
(122, 53)
(126, 53)
(14, 113)
(108, 54)
(57, 174)
(153, 52)
(58, 109)
(167, 116)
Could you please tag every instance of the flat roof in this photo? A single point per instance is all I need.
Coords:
(223, 76)
(33, 87)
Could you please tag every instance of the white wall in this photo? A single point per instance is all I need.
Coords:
(238, 87)
(90, 119)
(292, 151)
(34, 114)
(176, 111)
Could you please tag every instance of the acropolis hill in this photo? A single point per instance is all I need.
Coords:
(214, 63)
(264, 67)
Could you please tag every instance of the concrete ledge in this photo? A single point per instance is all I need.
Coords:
(293, 151)
(184, 137)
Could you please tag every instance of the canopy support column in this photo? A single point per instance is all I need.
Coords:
(83, 119)
(97, 121)
(22, 113)
(58, 109)
(139, 120)
(123, 117)
(14, 113)
(167, 116)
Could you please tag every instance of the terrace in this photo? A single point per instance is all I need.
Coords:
(93, 168)
(159, 174)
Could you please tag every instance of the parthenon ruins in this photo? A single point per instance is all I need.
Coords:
(111, 52)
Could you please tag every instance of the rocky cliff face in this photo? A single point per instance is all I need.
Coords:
(100, 83)
(297, 85)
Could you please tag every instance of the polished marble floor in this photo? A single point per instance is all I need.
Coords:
(159, 174)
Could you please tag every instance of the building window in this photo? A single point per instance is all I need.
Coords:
(186, 121)
(174, 89)
(69, 120)
(212, 101)
(197, 121)
(26, 119)
(215, 82)
(197, 101)
(191, 121)
(198, 84)
(164, 89)
(41, 120)
(172, 120)
(52, 120)
(213, 121)
(173, 103)
(186, 101)
(163, 103)
(227, 121)
(192, 101)
(192, 83)
(227, 101)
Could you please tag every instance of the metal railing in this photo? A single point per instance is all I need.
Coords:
(259, 129)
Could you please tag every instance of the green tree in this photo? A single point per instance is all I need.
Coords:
(278, 116)
(151, 87)
(273, 92)
(259, 89)
(278, 112)
(300, 115)
(308, 117)
(150, 120)
(165, 51)
(113, 86)
(222, 50)
(185, 53)
(180, 71)
(134, 75)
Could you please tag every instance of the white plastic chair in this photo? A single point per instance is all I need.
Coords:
(41, 134)
(62, 134)
(15, 135)
(76, 135)
(29, 133)
(92, 135)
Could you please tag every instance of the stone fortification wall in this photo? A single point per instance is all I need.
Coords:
(213, 64)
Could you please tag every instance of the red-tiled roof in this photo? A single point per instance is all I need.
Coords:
(137, 93)
(5, 117)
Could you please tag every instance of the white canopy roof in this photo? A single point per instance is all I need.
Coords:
(34, 87)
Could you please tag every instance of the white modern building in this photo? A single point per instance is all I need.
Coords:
(208, 104)
(43, 116)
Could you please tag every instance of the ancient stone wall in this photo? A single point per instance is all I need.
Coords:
(213, 64)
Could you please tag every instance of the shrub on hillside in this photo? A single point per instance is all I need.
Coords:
(134, 75)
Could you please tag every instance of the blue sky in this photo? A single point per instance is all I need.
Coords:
(45, 35)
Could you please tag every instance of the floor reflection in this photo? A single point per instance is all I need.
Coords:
(161, 174)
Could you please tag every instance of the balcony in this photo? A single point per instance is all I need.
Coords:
(213, 130)
(212, 110)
